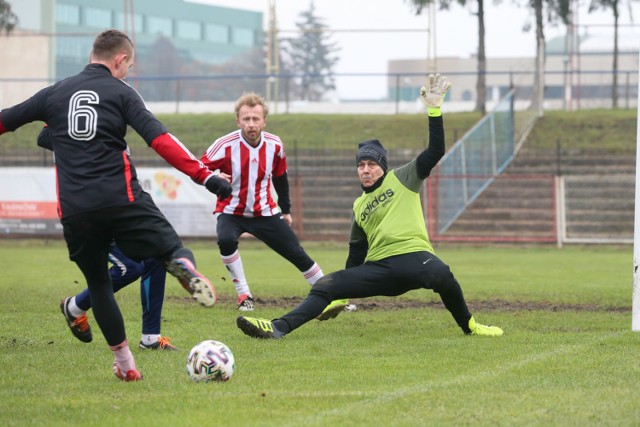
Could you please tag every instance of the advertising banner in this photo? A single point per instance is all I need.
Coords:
(28, 202)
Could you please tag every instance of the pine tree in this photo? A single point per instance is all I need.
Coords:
(8, 19)
(310, 57)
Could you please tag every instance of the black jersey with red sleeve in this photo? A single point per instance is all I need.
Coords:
(87, 115)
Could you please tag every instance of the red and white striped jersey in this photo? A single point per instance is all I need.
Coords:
(251, 169)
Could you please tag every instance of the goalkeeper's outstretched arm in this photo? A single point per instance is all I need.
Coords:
(433, 97)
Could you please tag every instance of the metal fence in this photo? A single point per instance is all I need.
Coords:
(375, 93)
(596, 208)
(483, 153)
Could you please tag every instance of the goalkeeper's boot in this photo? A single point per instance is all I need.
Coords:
(333, 309)
(131, 375)
(79, 325)
(162, 344)
(483, 330)
(258, 328)
(245, 302)
(195, 283)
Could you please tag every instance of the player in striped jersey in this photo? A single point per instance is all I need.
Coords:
(256, 163)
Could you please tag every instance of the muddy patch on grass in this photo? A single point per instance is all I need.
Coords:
(398, 304)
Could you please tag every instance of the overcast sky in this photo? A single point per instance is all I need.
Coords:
(455, 30)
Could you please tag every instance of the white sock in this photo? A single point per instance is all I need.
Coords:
(233, 263)
(148, 339)
(313, 274)
(73, 309)
(123, 356)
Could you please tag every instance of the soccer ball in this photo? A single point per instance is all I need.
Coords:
(210, 361)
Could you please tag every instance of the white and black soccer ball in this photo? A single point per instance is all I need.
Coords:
(210, 361)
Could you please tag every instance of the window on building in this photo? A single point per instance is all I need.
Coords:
(160, 25)
(189, 30)
(243, 37)
(138, 22)
(216, 33)
(68, 14)
(95, 17)
(72, 55)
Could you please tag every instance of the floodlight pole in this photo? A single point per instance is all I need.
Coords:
(273, 58)
(432, 57)
(635, 306)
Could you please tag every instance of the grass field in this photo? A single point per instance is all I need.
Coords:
(568, 356)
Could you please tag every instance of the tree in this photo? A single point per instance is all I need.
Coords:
(8, 19)
(311, 54)
(613, 5)
(555, 10)
(161, 62)
(481, 82)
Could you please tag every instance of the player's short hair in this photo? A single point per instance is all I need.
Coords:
(111, 42)
(251, 99)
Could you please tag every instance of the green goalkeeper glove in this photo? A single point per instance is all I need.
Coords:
(433, 96)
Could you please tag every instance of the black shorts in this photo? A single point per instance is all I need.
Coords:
(139, 229)
(272, 230)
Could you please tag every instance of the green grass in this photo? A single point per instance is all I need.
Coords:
(568, 366)
(611, 130)
(322, 131)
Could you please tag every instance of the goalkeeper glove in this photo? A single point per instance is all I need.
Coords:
(218, 186)
(433, 96)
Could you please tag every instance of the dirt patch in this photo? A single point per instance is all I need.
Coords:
(397, 304)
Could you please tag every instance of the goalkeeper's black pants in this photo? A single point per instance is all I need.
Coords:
(391, 276)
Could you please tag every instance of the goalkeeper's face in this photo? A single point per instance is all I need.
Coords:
(369, 172)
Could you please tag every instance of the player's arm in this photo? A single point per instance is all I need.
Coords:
(432, 97)
(45, 140)
(168, 146)
(26, 112)
(430, 157)
(281, 185)
(217, 166)
(177, 155)
(358, 245)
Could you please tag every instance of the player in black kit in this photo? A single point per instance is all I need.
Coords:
(99, 197)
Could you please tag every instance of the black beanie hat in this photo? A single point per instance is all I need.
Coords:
(372, 150)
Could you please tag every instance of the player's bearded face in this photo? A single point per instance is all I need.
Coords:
(251, 121)
(369, 172)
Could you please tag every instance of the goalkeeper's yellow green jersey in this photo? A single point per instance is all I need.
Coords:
(391, 216)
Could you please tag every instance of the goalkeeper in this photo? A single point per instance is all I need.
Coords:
(389, 249)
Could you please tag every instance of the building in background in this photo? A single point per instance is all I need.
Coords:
(194, 57)
(583, 76)
(172, 37)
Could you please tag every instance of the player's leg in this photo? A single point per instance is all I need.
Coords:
(123, 271)
(433, 273)
(229, 229)
(88, 243)
(280, 237)
(152, 285)
(366, 280)
(142, 231)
